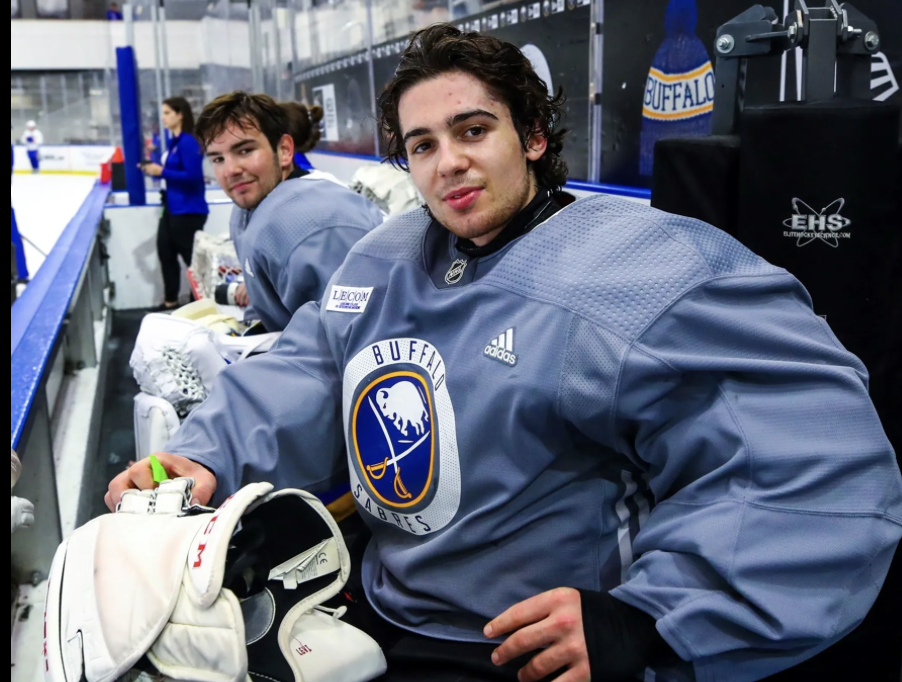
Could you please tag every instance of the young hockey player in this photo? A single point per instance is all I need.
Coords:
(588, 441)
(292, 228)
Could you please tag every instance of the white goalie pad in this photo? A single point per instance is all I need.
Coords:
(156, 422)
(226, 595)
(178, 356)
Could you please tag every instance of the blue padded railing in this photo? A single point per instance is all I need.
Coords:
(37, 318)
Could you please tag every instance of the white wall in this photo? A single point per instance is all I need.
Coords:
(65, 158)
(225, 43)
(132, 244)
(82, 45)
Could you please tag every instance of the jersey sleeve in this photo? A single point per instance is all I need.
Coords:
(280, 285)
(275, 417)
(312, 264)
(778, 496)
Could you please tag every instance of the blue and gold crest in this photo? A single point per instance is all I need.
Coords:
(393, 435)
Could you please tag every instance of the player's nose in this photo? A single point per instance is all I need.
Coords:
(452, 159)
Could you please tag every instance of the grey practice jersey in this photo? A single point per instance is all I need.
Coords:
(621, 400)
(294, 241)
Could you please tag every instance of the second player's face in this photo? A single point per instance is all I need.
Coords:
(245, 165)
(465, 155)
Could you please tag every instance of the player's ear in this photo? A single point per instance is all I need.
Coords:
(286, 151)
(536, 144)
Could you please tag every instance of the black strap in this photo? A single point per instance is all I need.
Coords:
(622, 640)
(247, 567)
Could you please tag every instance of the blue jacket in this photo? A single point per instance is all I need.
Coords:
(184, 176)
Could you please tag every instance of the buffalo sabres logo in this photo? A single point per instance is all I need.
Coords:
(398, 408)
(401, 435)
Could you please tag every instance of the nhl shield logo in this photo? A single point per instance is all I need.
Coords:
(402, 442)
(456, 271)
(393, 438)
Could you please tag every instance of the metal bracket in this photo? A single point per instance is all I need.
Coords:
(754, 33)
(837, 41)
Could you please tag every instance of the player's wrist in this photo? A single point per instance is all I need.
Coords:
(622, 640)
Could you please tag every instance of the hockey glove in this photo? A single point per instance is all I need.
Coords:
(227, 595)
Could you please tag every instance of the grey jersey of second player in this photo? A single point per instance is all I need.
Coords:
(621, 400)
(295, 240)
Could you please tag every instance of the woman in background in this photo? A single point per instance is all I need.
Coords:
(184, 205)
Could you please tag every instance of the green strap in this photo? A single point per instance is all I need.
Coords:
(159, 472)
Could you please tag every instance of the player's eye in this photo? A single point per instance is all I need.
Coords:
(421, 147)
(475, 131)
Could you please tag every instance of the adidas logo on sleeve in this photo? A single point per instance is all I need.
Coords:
(502, 348)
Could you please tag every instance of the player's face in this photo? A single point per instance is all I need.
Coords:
(465, 155)
(246, 166)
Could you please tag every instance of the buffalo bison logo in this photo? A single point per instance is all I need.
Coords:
(394, 438)
(404, 406)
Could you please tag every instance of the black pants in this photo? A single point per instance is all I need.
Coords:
(414, 658)
(175, 237)
(410, 657)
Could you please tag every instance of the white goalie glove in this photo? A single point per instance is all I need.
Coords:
(177, 356)
(226, 595)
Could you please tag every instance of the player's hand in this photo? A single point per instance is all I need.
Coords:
(552, 622)
(241, 297)
(140, 477)
(153, 169)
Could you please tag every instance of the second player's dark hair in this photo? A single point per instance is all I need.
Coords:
(303, 124)
(505, 72)
(260, 112)
(181, 106)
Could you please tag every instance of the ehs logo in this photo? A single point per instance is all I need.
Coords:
(401, 435)
(807, 224)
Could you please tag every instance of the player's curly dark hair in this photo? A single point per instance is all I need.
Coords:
(507, 74)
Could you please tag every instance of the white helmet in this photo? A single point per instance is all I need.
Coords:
(31, 124)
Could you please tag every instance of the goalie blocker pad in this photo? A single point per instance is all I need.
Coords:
(226, 595)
